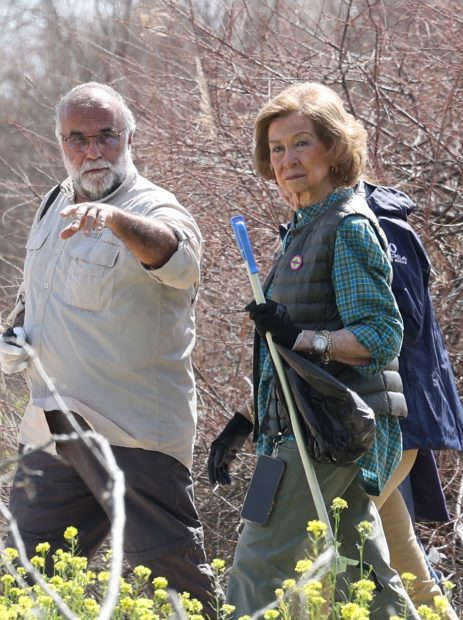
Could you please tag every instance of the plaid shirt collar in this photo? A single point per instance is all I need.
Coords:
(305, 215)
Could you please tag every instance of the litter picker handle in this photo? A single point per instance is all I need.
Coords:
(243, 242)
(245, 248)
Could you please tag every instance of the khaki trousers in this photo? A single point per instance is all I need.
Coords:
(266, 554)
(406, 554)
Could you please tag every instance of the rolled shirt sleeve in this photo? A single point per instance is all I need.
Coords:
(182, 270)
(366, 304)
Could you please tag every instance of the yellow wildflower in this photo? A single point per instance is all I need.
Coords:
(142, 572)
(317, 529)
(447, 586)
(60, 566)
(108, 555)
(56, 581)
(7, 580)
(288, 584)
(143, 604)
(313, 594)
(91, 605)
(77, 589)
(271, 614)
(441, 603)
(38, 561)
(364, 590)
(303, 566)
(124, 587)
(78, 562)
(365, 528)
(352, 611)
(316, 601)
(160, 582)
(338, 504)
(10, 553)
(426, 613)
(313, 587)
(227, 609)
(70, 533)
(25, 602)
(166, 609)
(191, 605)
(42, 548)
(408, 577)
(218, 565)
(364, 584)
(127, 604)
(195, 606)
(16, 592)
(160, 596)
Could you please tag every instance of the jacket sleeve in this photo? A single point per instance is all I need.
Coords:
(411, 267)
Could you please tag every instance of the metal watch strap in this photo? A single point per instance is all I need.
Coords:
(326, 356)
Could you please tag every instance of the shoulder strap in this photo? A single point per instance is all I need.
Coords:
(51, 199)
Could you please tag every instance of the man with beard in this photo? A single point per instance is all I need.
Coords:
(107, 302)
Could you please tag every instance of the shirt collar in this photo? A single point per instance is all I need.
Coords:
(306, 214)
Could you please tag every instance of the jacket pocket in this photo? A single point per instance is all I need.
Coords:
(90, 280)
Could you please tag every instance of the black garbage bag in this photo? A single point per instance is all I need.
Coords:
(340, 426)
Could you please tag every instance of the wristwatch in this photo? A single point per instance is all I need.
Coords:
(322, 345)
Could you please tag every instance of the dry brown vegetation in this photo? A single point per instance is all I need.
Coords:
(195, 74)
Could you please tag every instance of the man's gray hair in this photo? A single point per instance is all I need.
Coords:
(81, 94)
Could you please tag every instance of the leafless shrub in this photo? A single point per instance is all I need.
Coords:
(195, 73)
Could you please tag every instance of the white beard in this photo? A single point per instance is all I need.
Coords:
(99, 184)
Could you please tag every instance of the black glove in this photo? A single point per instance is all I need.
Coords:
(225, 447)
(274, 318)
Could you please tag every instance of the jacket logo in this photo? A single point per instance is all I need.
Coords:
(395, 257)
(296, 262)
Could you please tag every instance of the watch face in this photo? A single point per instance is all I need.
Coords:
(320, 343)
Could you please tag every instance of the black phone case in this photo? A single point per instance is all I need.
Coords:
(262, 489)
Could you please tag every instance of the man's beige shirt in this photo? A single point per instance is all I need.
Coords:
(116, 338)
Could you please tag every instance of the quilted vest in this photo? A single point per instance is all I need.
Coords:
(309, 296)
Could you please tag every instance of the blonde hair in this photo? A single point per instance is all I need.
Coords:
(342, 134)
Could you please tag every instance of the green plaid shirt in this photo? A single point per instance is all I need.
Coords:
(367, 308)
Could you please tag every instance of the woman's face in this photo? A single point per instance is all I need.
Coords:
(299, 159)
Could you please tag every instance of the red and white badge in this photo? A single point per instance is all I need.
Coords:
(296, 262)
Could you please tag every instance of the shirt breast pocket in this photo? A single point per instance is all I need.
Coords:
(90, 280)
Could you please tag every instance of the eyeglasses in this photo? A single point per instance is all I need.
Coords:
(80, 143)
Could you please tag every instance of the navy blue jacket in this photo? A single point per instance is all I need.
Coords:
(435, 412)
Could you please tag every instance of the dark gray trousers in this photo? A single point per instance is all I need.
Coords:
(162, 531)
